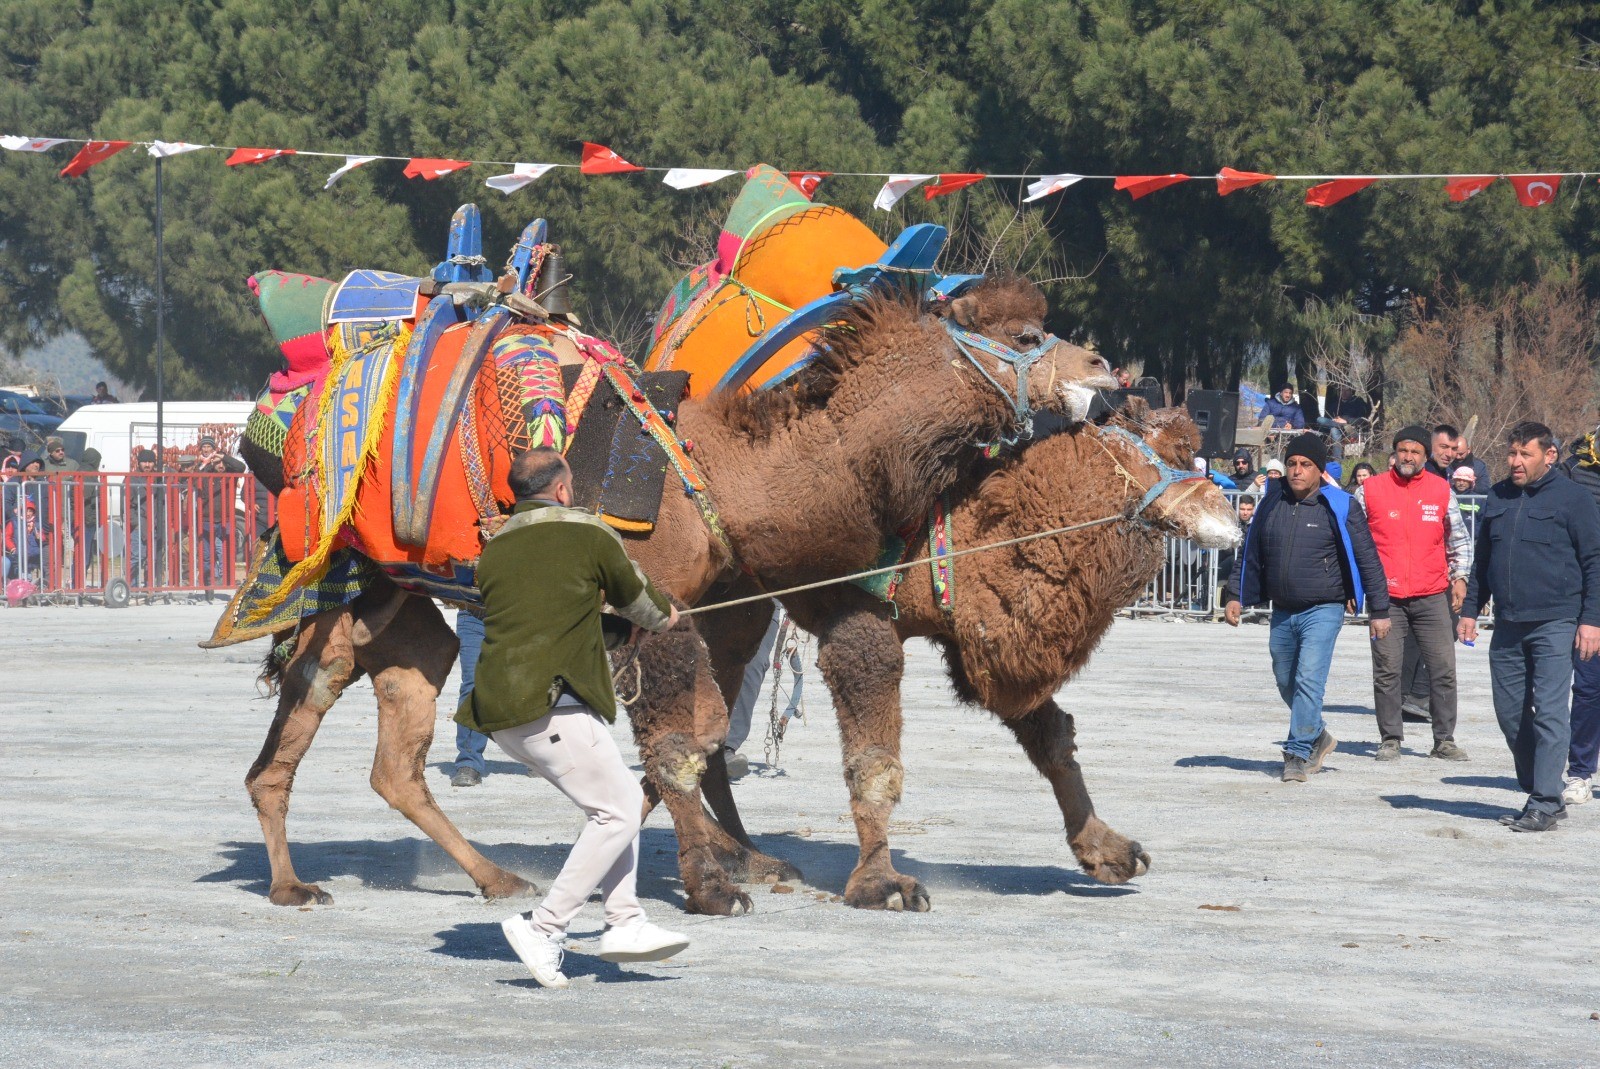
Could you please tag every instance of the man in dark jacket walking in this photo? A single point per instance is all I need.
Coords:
(1309, 553)
(1538, 558)
(1583, 467)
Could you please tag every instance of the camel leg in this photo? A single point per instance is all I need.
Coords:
(322, 665)
(1046, 735)
(861, 659)
(733, 636)
(678, 721)
(409, 661)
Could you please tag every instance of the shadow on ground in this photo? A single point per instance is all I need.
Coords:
(491, 768)
(1454, 807)
(1504, 783)
(1239, 764)
(1353, 710)
(483, 941)
(827, 867)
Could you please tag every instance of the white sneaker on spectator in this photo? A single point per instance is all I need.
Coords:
(641, 941)
(1577, 791)
(541, 953)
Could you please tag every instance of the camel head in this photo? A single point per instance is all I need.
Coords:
(1194, 508)
(1010, 310)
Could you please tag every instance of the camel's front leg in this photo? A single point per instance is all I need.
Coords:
(678, 721)
(322, 665)
(861, 659)
(1046, 735)
(409, 661)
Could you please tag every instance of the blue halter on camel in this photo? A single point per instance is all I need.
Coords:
(1021, 364)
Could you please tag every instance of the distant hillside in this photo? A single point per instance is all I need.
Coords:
(69, 363)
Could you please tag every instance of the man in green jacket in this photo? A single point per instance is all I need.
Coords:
(543, 693)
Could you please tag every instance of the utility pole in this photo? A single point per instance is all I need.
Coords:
(161, 300)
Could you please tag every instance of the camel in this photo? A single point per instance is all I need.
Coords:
(807, 481)
(1024, 621)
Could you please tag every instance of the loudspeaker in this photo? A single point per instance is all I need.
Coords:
(1216, 413)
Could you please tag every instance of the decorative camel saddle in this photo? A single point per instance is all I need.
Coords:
(403, 401)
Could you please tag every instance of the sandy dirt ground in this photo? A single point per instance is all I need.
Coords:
(1376, 916)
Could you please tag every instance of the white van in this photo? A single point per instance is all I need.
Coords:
(118, 431)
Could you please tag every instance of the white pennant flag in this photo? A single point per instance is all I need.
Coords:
(689, 177)
(163, 149)
(896, 187)
(350, 164)
(1050, 183)
(521, 174)
(30, 144)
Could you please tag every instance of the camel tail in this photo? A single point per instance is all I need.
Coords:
(276, 660)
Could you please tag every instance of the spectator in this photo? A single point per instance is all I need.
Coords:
(1227, 559)
(1360, 474)
(102, 395)
(1344, 410)
(1284, 409)
(1203, 466)
(1426, 554)
(1309, 553)
(470, 745)
(744, 705)
(1461, 454)
(1538, 559)
(24, 545)
(56, 459)
(1464, 481)
(1583, 753)
(216, 512)
(1243, 473)
(145, 506)
(1124, 380)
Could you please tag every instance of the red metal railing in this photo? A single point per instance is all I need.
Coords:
(123, 536)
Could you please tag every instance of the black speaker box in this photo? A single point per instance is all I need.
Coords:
(1216, 413)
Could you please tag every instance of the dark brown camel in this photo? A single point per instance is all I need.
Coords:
(806, 482)
(1025, 620)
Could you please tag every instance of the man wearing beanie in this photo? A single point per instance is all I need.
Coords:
(1426, 552)
(1309, 553)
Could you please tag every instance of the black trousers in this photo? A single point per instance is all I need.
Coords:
(1430, 625)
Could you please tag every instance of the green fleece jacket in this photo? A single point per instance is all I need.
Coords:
(543, 578)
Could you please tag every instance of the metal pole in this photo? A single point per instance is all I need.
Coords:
(161, 332)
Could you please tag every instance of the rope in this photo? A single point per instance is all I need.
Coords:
(1020, 539)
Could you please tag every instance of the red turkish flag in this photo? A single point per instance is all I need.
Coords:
(597, 159)
(1466, 188)
(256, 155)
(1321, 196)
(1229, 180)
(949, 183)
(429, 169)
(1535, 190)
(90, 154)
(1142, 185)
(808, 181)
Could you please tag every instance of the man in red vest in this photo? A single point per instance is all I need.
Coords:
(1426, 553)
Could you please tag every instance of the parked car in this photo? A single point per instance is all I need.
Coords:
(23, 421)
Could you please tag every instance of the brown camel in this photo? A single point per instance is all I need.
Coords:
(1024, 620)
(807, 482)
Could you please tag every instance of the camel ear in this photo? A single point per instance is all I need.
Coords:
(964, 310)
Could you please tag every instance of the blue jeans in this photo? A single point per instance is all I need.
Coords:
(469, 744)
(1530, 668)
(1585, 749)
(213, 542)
(1301, 644)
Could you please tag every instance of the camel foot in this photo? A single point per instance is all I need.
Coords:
(886, 890)
(752, 866)
(717, 897)
(1109, 857)
(296, 893)
(505, 884)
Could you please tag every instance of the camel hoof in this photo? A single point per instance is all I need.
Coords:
(1131, 862)
(507, 885)
(899, 894)
(727, 901)
(299, 894)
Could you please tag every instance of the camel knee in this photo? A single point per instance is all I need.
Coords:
(324, 682)
(676, 764)
(875, 777)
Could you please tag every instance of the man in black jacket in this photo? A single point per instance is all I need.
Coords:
(1583, 755)
(1308, 551)
(1538, 557)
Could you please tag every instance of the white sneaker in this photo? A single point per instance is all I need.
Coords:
(541, 953)
(1577, 791)
(640, 941)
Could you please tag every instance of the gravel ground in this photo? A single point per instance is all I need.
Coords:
(1376, 916)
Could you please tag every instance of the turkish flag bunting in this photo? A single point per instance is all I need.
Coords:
(1229, 180)
(255, 155)
(949, 183)
(90, 154)
(1466, 188)
(1320, 196)
(597, 159)
(1534, 190)
(428, 169)
(808, 181)
(1142, 185)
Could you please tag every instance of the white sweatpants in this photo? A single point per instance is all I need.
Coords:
(572, 748)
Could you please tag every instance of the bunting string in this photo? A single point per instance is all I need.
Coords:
(1531, 189)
